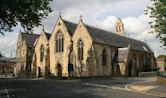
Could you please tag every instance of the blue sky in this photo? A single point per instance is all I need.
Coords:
(97, 13)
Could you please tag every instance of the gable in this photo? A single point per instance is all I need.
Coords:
(63, 26)
(123, 54)
(42, 40)
(30, 38)
(81, 32)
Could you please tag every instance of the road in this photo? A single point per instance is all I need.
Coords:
(51, 88)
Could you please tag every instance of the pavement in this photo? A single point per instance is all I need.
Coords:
(78, 88)
(149, 88)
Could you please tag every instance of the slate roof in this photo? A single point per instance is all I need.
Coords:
(123, 54)
(30, 38)
(48, 35)
(99, 36)
(70, 26)
(109, 38)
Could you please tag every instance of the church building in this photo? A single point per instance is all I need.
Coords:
(80, 50)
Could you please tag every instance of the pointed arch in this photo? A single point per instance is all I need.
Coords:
(117, 27)
(41, 53)
(80, 49)
(59, 44)
(59, 70)
(104, 57)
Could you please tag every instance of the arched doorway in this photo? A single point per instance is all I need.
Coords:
(59, 70)
(70, 70)
(39, 72)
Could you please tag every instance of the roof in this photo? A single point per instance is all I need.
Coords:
(109, 38)
(123, 54)
(30, 38)
(70, 26)
(48, 35)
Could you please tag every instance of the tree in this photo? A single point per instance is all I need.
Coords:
(157, 11)
(163, 56)
(28, 13)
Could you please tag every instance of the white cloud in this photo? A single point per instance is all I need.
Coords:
(8, 44)
(133, 24)
(139, 28)
(98, 13)
(109, 23)
(135, 27)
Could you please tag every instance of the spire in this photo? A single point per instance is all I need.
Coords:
(119, 28)
(81, 17)
(60, 14)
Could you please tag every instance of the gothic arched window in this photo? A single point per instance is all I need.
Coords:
(104, 57)
(41, 53)
(59, 42)
(80, 50)
(118, 27)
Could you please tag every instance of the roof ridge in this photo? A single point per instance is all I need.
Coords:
(47, 32)
(105, 31)
(71, 27)
(29, 33)
(70, 22)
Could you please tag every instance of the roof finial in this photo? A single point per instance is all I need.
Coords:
(60, 13)
(43, 28)
(81, 17)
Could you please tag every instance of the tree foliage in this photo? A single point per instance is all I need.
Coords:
(157, 11)
(163, 56)
(28, 13)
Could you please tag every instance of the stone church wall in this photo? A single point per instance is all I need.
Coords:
(103, 70)
(59, 57)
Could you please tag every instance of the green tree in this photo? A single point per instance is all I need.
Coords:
(28, 13)
(157, 11)
(163, 56)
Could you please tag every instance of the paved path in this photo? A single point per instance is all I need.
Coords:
(150, 88)
(47, 88)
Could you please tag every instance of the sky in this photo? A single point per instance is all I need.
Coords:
(98, 13)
